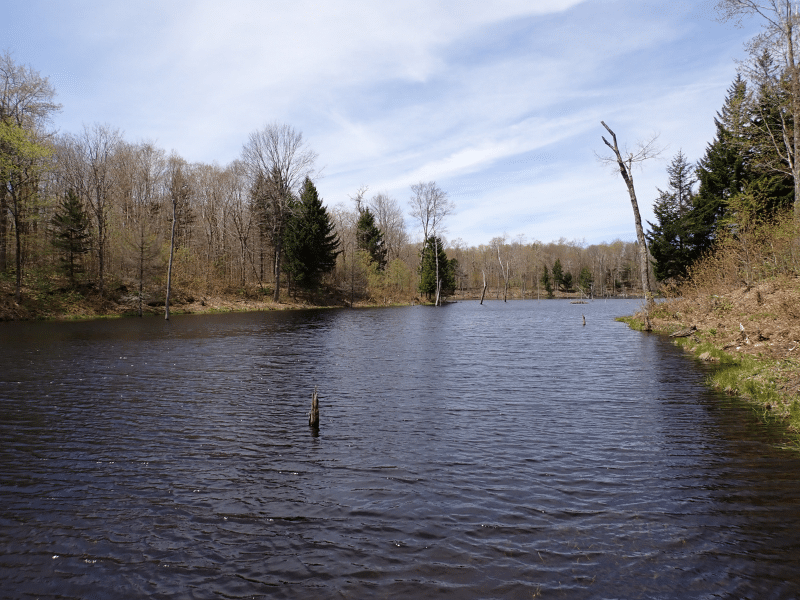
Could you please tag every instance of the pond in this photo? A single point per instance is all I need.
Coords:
(465, 451)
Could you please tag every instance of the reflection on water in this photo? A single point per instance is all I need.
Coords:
(476, 451)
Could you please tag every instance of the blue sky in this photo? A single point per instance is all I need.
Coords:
(498, 102)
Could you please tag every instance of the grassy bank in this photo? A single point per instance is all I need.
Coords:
(751, 336)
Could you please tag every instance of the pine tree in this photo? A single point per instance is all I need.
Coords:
(558, 274)
(723, 171)
(434, 259)
(566, 280)
(585, 280)
(311, 243)
(71, 234)
(546, 283)
(669, 238)
(370, 238)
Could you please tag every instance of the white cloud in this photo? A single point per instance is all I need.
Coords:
(498, 102)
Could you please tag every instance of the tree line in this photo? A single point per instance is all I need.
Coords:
(93, 212)
(743, 192)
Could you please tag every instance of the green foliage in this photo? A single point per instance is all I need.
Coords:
(669, 238)
(430, 266)
(585, 280)
(71, 234)
(558, 274)
(310, 243)
(547, 284)
(370, 238)
(566, 281)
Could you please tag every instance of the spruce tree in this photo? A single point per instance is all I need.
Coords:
(669, 238)
(546, 283)
(71, 235)
(310, 241)
(370, 238)
(566, 280)
(724, 170)
(433, 253)
(585, 280)
(558, 274)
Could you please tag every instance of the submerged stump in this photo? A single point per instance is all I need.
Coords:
(313, 415)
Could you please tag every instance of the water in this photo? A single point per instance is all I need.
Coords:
(466, 451)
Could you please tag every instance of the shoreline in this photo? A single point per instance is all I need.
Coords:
(751, 337)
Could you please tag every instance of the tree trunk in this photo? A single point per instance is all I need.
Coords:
(18, 261)
(171, 254)
(483, 293)
(438, 281)
(277, 294)
(644, 267)
(141, 269)
(3, 232)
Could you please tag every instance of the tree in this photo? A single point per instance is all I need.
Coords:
(558, 274)
(669, 239)
(779, 39)
(97, 147)
(26, 104)
(644, 152)
(278, 161)
(179, 191)
(566, 280)
(312, 243)
(436, 273)
(370, 238)
(430, 205)
(71, 234)
(546, 282)
(142, 174)
(724, 170)
(389, 218)
(585, 280)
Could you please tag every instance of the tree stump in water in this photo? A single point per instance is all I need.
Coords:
(313, 415)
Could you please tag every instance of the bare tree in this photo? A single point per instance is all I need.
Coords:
(97, 146)
(277, 156)
(779, 38)
(643, 152)
(430, 205)
(497, 243)
(390, 220)
(179, 190)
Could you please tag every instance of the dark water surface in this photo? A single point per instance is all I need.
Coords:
(496, 451)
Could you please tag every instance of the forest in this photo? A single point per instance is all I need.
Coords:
(94, 214)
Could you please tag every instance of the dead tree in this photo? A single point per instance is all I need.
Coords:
(313, 415)
(644, 151)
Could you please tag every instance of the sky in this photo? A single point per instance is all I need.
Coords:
(498, 102)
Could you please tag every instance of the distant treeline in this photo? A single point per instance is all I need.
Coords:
(96, 212)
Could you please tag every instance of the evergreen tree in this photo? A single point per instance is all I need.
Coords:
(546, 283)
(311, 243)
(370, 238)
(558, 274)
(566, 280)
(71, 234)
(585, 280)
(723, 171)
(669, 238)
(429, 266)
